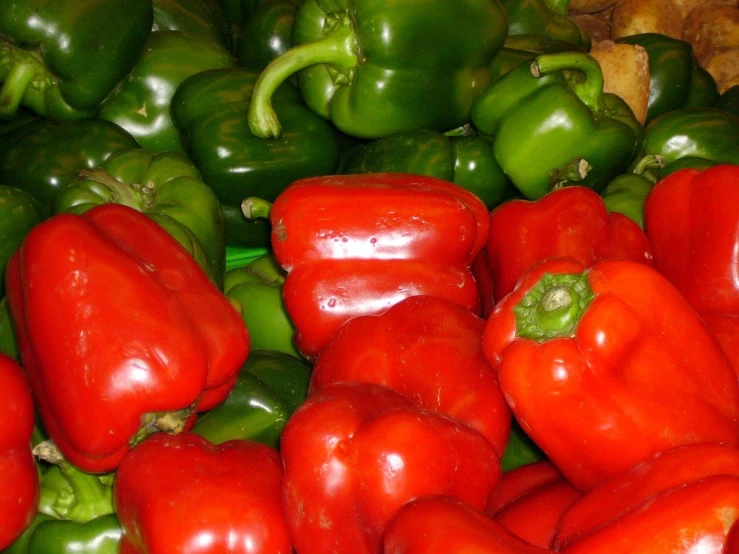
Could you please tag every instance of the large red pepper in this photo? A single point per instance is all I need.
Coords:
(606, 366)
(357, 244)
(119, 331)
(354, 453)
(680, 502)
(441, 525)
(180, 493)
(692, 220)
(19, 484)
(429, 350)
(571, 222)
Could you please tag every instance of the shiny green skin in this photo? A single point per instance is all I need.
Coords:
(205, 18)
(675, 79)
(520, 49)
(257, 289)
(63, 59)
(210, 110)
(543, 126)
(142, 104)
(269, 388)
(19, 212)
(729, 100)
(627, 193)
(467, 161)
(544, 17)
(520, 450)
(707, 133)
(402, 65)
(167, 185)
(42, 156)
(47, 535)
(266, 34)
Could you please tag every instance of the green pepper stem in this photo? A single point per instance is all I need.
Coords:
(650, 161)
(15, 85)
(255, 208)
(338, 48)
(590, 91)
(136, 196)
(558, 6)
(574, 171)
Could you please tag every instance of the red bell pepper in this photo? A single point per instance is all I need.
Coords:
(19, 484)
(530, 501)
(120, 331)
(429, 350)
(571, 222)
(354, 453)
(606, 366)
(357, 244)
(441, 525)
(692, 220)
(682, 501)
(180, 493)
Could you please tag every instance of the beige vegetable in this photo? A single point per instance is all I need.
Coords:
(712, 27)
(724, 67)
(589, 6)
(633, 17)
(625, 73)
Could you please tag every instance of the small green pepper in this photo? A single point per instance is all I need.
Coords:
(544, 17)
(206, 18)
(627, 193)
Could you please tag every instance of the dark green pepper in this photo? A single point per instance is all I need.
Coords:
(269, 389)
(729, 100)
(19, 212)
(42, 156)
(520, 49)
(675, 79)
(63, 59)
(544, 17)
(206, 18)
(266, 34)
(707, 133)
(257, 288)
(627, 193)
(8, 341)
(467, 161)
(553, 125)
(376, 68)
(165, 186)
(98, 536)
(142, 104)
(210, 110)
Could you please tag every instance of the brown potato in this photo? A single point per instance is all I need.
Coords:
(713, 26)
(724, 68)
(589, 6)
(625, 73)
(633, 17)
(686, 6)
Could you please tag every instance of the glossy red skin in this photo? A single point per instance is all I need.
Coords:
(180, 493)
(116, 320)
(693, 518)
(571, 222)
(725, 327)
(530, 501)
(354, 453)
(441, 525)
(651, 478)
(356, 244)
(429, 350)
(19, 483)
(625, 387)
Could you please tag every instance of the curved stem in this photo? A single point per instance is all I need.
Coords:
(337, 48)
(14, 87)
(123, 193)
(574, 171)
(650, 161)
(255, 208)
(590, 91)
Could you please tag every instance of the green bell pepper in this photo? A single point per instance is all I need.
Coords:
(42, 156)
(553, 125)
(257, 289)
(19, 212)
(544, 17)
(467, 161)
(142, 104)
(729, 100)
(63, 59)
(270, 387)
(376, 68)
(627, 193)
(675, 79)
(520, 450)
(520, 49)
(99, 536)
(708, 133)
(266, 34)
(206, 18)
(166, 186)
(210, 111)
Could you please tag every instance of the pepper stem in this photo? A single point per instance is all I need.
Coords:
(650, 161)
(590, 91)
(255, 208)
(15, 85)
(136, 196)
(337, 48)
(575, 171)
(553, 307)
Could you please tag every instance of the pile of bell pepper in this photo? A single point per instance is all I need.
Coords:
(332, 276)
